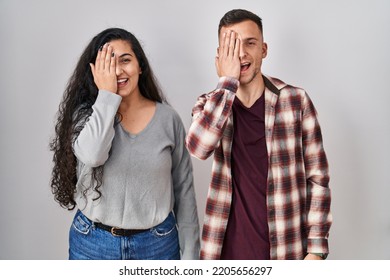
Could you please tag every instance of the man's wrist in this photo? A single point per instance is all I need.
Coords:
(228, 83)
(321, 255)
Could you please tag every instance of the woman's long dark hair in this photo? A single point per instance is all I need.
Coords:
(76, 106)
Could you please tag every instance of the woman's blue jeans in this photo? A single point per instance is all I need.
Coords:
(88, 242)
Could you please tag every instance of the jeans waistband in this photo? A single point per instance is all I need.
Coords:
(115, 231)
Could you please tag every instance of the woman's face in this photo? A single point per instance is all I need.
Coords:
(127, 68)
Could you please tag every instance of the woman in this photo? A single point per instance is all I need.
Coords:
(119, 157)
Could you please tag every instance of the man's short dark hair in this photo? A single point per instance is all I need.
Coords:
(237, 16)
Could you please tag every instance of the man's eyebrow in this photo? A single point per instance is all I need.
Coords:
(251, 38)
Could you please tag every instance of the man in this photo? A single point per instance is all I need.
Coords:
(269, 196)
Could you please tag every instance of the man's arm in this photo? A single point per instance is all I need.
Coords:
(212, 110)
(319, 218)
(209, 117)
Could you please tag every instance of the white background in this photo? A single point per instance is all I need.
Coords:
(337, 50)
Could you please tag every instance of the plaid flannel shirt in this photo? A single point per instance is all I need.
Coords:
(298, 195)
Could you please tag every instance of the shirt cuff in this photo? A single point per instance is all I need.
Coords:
(108, 97)
(228, 83)
(321, 255)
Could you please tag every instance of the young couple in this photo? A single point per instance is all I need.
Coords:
(121, 157)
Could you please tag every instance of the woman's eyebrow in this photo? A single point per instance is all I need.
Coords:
(125, 54)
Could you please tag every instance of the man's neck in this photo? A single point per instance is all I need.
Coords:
(249, 93)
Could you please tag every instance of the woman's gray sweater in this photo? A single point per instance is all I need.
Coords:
(145, 177)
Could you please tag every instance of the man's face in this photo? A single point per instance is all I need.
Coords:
(252, 50)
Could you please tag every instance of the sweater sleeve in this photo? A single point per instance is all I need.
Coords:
(209, 117)
(93, 144)
(185, 208)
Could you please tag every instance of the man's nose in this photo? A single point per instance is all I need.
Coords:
(242, 50)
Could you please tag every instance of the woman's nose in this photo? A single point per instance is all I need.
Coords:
(118, 70)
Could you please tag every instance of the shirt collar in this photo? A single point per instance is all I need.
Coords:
(274, 85)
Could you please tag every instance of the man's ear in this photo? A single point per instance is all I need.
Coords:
(265, 49)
